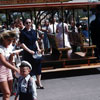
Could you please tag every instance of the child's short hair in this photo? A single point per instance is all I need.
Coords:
(25, 64)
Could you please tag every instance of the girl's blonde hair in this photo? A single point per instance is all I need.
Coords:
(7, 34)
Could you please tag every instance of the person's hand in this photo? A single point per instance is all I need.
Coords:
(39, 51)
(17, 74)
(32, 52)
(18, 70)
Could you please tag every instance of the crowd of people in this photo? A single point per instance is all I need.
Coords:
(22, 37)
(27, 39)
(58, 27)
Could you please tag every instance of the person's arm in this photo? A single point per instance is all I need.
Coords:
(66, 28)
(27, 49)
(11, 58)
(38, 48)
(7, 64)
(16, 97)
(22, 43)
(34, 92)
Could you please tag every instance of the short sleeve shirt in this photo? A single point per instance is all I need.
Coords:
(5, 51)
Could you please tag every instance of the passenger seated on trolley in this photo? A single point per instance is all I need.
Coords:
(75, 37)
(85, 33)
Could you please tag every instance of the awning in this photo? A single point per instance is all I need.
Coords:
(46, 6)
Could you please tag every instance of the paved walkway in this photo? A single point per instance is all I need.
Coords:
(84, 86)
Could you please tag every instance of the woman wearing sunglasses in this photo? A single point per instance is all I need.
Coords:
(28, 40)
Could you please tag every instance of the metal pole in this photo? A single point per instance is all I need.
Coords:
(7, 17)
(73, 15)
(53, 21)
(89, 25)
(35, 19)
(63, 26)
(31, 15)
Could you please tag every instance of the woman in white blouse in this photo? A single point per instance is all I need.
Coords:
(6, 78)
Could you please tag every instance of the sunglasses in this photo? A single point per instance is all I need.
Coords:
(28, 22)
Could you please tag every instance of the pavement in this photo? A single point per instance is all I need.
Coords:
(75, 85)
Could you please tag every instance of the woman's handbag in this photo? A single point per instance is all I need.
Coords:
(37, 55)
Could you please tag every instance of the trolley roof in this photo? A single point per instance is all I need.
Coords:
(48, 6)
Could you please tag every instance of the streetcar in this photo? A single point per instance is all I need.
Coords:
(38, 10)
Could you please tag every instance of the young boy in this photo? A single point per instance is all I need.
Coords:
(26, 89)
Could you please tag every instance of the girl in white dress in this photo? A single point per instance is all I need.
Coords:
(62, 28)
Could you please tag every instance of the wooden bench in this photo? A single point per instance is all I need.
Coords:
(87, 50)
(54, 44)
(55, 63)
(61, 52)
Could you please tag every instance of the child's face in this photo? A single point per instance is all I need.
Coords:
(24, 71)
(7, 42)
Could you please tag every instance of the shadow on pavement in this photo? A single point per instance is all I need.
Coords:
(70, 73)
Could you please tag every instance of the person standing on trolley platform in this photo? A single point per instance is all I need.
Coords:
(95, 32)
(28, 40)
